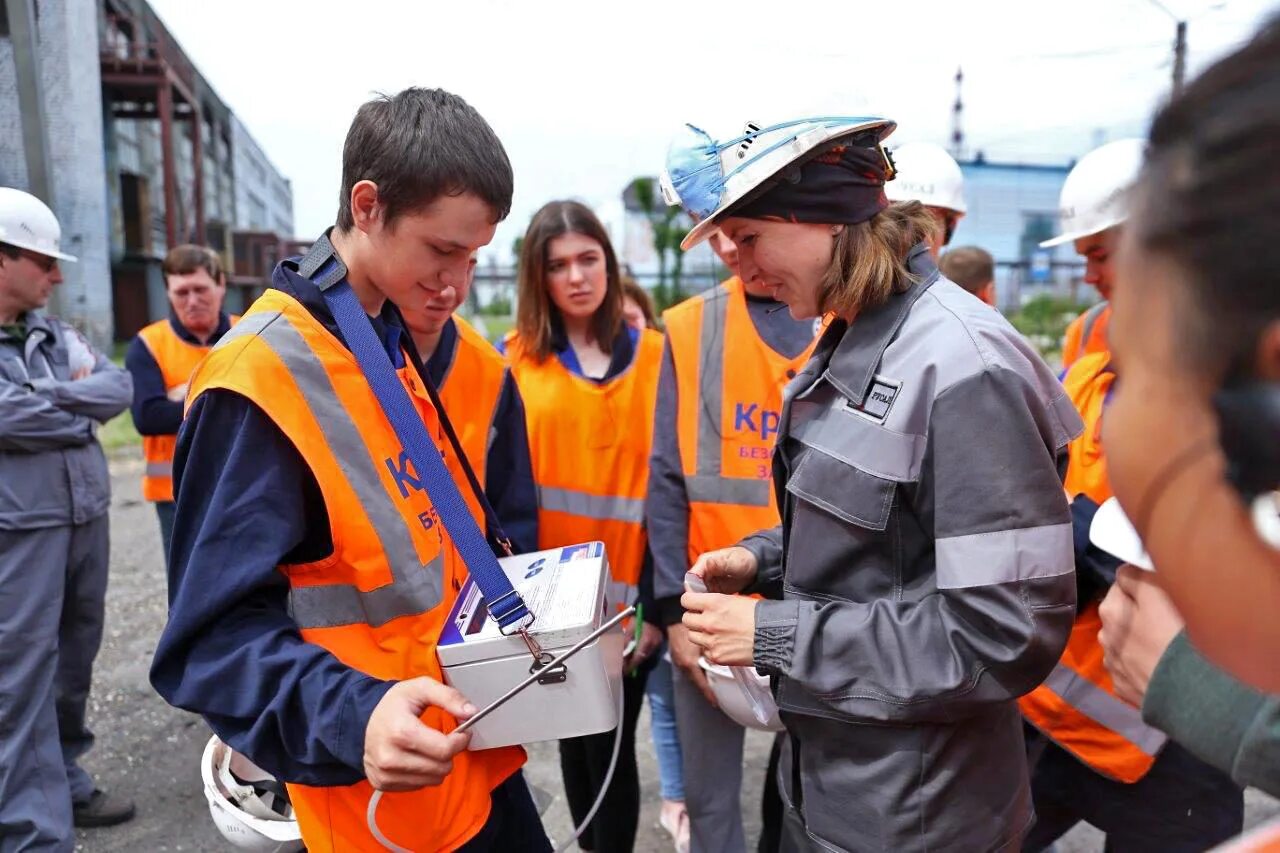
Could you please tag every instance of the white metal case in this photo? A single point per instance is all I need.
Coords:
(565, 589)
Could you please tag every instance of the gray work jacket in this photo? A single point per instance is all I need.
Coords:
(926, 557)
(52, 469)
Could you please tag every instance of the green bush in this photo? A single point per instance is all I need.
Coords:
(1044, 320)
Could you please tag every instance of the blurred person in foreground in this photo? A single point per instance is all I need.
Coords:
(1192, 431)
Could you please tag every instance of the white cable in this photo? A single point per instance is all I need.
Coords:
(371, 818)
(608, 777)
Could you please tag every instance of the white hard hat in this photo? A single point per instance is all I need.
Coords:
(28, 223)
(706, 177)
(1095, 194)
(927, 174)
(246, 802)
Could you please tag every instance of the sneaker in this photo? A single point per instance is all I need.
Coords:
(102, 810)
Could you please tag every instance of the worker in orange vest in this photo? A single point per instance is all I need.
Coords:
(1094, 758)
(710, 485)
(310, 575)
(162, 358)
(483, 403)
(589, 384)
(1092, 208)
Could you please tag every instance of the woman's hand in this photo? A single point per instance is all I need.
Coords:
(1138, 624)
(723, 626)
(728, 570)
(650, 642)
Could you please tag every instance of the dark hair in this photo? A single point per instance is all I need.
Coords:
(632, 290)
(536, 315)
(9, 251)
(1209, 199)
(968, 266)
(189, 258)
(419, 145)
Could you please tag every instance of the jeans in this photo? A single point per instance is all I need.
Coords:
(666, 738)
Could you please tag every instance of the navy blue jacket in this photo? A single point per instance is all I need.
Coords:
(247, 503)
(153, 412)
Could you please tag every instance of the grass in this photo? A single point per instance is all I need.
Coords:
(118, 434)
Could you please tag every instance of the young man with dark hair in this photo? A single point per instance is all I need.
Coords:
(161, 359)
(309, 578)
(973, 269)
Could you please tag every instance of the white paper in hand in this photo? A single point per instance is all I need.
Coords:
(1112, 532)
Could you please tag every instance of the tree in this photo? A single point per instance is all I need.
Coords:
(669, 225)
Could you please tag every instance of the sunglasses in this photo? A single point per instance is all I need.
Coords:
(44, 262)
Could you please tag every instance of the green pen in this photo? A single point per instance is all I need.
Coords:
(639, 630)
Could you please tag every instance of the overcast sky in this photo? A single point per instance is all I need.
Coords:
(586, 95)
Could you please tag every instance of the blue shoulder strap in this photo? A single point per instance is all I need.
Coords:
(323, 267)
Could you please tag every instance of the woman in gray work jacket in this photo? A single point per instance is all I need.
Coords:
(925, 549)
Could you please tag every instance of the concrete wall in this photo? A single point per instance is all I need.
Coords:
(68, 51)
(264, 197)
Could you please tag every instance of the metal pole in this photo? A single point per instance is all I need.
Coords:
(164, 103)
(35, 143)
(1179, 57)
(35, 138)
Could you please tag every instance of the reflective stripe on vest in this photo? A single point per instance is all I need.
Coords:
(589, 444)
(1105, 708)
(1076, 706)
(412, 591)
(379, 600)
(709, 484)
(726, 420)
(177, 360)
(159, 469)
(597, 507)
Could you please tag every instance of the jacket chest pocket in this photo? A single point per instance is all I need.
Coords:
(839, 544)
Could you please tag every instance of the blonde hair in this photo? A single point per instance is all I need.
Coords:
(869, 259)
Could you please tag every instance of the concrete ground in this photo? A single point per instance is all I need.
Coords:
(150, 752)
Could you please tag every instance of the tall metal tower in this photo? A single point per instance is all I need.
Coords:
(957, 118)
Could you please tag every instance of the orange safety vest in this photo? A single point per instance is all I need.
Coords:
(1077, 706)
(590, 445)
(177, 360)
(726, 420)
(1087, 334)
(470, 391)
(379, 601)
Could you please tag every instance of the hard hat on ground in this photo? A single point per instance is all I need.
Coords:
(1095, 194)
(927, 174)
(249, 807)
(712, 179)
(28, 223)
